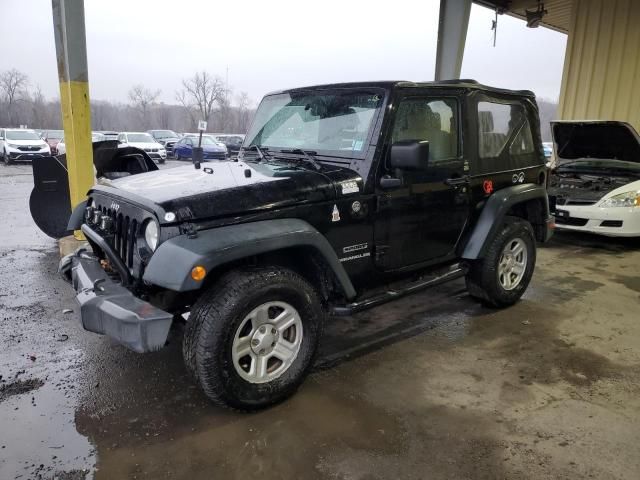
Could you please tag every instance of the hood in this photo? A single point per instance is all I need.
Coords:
(595, 139)
(167, 139)
(31, 143)
(213, 148)
(145, 144)
(230, 188)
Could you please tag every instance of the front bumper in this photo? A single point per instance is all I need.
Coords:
(612, 222)
(25, 156)
(108, 308)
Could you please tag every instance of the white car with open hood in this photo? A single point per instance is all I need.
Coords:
(594, 185)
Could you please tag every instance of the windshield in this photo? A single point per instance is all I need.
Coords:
(164, 134)
(330, 122)
(140, 138)
(231, 140)
(22, 135)
(205, 141)
(54, 134)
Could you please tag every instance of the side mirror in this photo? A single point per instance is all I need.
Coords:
(409, 155)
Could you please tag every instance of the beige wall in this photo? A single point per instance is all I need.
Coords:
(601, 78)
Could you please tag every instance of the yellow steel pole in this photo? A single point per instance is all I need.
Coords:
(71, 54)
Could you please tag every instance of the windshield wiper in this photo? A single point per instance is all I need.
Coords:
(308, 156)
(260, 150)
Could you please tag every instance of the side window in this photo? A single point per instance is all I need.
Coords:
(429, 119)
(497, 123)
(523, 143)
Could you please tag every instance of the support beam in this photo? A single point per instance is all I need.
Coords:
(452, 35)
(71, 55)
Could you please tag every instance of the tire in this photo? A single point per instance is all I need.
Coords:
(229, 318)
(176, 156)
(502, 276)
(6, 158)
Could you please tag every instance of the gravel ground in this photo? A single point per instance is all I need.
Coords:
(431, 386)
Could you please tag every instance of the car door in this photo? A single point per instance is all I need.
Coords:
(178, 148)
(419, 221)
(1, 140)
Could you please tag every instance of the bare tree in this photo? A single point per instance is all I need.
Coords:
(200, 93)
(38, 108)
(244, 112)
(142, 99)
(13, 85)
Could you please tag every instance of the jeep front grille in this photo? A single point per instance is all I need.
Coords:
(125, 232)
(121, 229)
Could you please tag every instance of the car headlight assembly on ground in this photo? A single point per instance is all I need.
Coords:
(152, 234)
(626, 199)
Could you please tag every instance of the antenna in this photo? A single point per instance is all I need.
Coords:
(494, 27)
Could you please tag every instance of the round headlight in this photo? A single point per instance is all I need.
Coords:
(151, 234)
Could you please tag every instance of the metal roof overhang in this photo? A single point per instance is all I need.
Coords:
(558, 15)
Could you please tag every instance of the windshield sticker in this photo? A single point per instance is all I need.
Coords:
(357, 145)
(487, 186)
(335, 215)
(350, 187)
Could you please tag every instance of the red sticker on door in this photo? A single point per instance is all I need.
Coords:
(487, 186)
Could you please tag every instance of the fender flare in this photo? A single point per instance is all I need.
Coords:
(494, 211)
(171, 264)
(77, 216)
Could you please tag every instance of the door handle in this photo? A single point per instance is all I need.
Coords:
(456, 182)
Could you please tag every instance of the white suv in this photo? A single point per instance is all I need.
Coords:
(21, 144)
(145, 142)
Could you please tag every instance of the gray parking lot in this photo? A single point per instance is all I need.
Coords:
(432, 386)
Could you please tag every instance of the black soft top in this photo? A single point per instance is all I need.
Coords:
(391, 84)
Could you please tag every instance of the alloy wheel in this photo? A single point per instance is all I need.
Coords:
(512, 263)
(267, 342)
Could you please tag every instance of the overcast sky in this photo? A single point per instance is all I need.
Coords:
(271, 45)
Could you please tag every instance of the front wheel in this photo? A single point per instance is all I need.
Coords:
(6, 158)
(501, 277)
(255, 334)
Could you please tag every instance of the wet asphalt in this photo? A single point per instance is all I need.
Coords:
(432, 386)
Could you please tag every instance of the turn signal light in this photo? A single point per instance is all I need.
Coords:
(198, 273)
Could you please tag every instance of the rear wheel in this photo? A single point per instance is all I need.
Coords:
(502, 276)
(176, 156)
(255, 334)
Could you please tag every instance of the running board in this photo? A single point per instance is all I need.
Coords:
(393, 294)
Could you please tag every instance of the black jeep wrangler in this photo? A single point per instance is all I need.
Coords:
(343, 197)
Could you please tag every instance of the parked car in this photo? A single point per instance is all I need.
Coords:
(338, 191)
(232, 141)
(18, 144)
(211, 149)
(145, 142)
(95, 137)
(52, 137)
(109, 135)
(547, 148)
(166, 138)
(595, 184)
